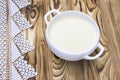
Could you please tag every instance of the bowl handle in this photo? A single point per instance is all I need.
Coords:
(87, 57)
(48, 13)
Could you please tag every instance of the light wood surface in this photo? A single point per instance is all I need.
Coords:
(49, 67)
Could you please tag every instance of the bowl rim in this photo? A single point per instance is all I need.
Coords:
(87, 52)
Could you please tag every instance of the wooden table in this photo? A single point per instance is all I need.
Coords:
(49, 67)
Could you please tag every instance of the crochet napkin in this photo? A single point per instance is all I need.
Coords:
(12, 42)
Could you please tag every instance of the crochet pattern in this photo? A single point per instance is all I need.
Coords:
(12, 42)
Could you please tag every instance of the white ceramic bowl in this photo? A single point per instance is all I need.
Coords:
(81, 55)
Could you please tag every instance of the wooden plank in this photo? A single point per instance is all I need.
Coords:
(49, 67)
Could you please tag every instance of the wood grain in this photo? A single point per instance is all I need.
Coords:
(49, 67)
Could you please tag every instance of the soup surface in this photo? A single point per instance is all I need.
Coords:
(72, 34)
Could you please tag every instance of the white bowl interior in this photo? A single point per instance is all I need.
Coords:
(82, 15)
